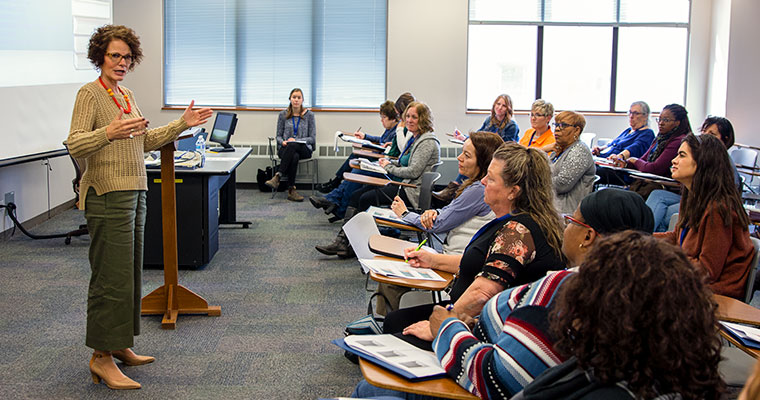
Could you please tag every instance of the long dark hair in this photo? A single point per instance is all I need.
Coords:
(485, 144)
(638, 311)
(712, 185)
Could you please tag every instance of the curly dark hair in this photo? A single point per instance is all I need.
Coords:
(99, 41)
(724, 126)
(712, 185)
(645, 318)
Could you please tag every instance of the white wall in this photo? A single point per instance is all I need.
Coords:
(743, 60)
(427, 53)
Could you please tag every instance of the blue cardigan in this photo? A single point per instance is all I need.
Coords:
(509, 133)
(636, 142)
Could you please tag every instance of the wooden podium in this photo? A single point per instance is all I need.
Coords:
(172, 299)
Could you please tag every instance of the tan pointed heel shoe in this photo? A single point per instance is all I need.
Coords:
(128, 357)
(116, 382)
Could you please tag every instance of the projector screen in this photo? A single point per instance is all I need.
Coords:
(43, 53)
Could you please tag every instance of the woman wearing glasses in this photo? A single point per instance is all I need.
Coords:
(109, 133)
(712, 224)
(540, 134)
(572, 164)
(635, 140)
(673, 125)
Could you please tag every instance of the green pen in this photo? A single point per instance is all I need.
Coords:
(418, 248)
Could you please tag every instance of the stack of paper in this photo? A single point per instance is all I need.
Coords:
(367, 165)
(746, 335)
(399, 269)
(395, 354)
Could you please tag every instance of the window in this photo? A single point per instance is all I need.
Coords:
(251, 53)
(589, 55)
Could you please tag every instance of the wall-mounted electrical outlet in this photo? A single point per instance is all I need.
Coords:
(10, 197)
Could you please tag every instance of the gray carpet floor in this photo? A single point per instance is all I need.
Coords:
(282, 303)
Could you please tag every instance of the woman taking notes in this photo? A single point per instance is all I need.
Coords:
(110, 133)
(296, 137)
(712, 224)
(519, 246)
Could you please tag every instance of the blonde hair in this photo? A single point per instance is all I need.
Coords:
(507, 117)
(529, 169)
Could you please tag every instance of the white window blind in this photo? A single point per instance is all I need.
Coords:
(253, 52)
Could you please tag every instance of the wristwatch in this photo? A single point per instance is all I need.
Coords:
(403, 214)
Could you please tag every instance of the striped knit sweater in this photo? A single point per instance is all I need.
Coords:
(111, 165)
(510, 345)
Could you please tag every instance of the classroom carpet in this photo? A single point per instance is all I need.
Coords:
(282, 302)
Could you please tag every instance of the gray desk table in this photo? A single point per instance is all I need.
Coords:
(205, 199)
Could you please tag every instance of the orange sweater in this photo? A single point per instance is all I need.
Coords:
(724, 253)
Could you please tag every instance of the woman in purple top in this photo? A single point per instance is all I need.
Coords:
(673, 125)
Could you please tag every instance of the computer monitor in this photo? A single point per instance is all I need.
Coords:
(224, 127)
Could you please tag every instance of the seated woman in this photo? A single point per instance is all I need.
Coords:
(673, 125)
(336, 201)
(665, 203)
(504, 319)
(459, 220)
(390, 114)
(296, 138)
(624, 328)
(712, 225)
(500, 122)
(572, 164)
(421, 153)
(518, 247)
(635, 140)
(540, 134)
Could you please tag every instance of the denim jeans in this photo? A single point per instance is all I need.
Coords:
(364, 390)
(663, 204)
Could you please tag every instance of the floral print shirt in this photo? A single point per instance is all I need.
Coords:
(511, 250)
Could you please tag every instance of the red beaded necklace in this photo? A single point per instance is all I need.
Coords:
(113, 97)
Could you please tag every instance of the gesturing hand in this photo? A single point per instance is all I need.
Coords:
(195, 117)
(125, 129)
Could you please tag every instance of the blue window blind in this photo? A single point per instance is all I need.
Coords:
(251, 53)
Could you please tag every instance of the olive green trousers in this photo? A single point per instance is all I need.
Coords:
(116, 224)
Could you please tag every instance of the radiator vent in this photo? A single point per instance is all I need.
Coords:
(262, 150)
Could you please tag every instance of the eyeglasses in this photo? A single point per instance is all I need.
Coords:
(558, 126)
(534, 115)
(664, 120)
(635, 113)
(116, 57)
(570, 220)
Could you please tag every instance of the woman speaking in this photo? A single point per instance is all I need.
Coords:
(110, 134)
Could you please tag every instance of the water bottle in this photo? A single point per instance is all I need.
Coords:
(200, 147)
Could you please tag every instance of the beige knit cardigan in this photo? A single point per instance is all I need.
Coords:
(116, 165)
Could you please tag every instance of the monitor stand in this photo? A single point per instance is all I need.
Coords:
(226, 148)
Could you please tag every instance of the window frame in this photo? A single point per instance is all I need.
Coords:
(614, 51)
